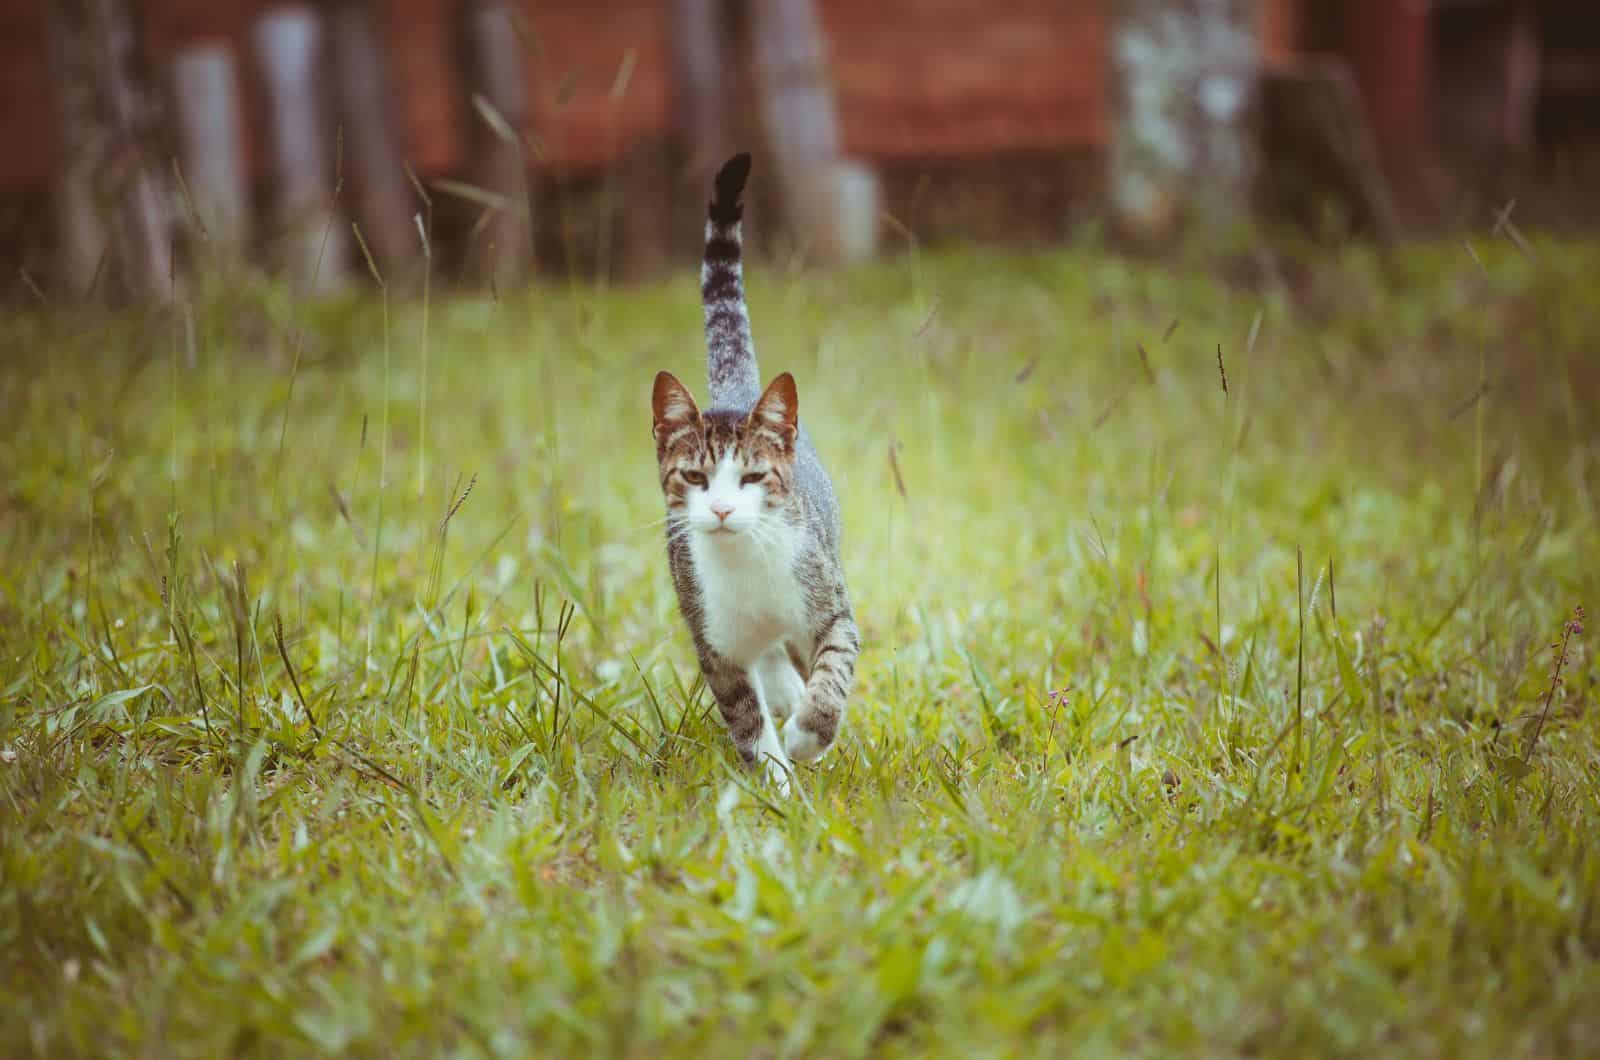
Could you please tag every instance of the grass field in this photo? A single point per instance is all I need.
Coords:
(1189, 721)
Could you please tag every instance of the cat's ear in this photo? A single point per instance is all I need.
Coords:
(778, 411)
(672, 405)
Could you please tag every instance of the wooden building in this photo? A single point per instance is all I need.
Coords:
(923, 87)
(916, 80)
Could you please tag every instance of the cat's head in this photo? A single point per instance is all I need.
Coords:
(725, 472)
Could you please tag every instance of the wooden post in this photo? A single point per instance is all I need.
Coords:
(700, 48)
(204, 86)
(1316, 144)
(1391, 55)
(313, 237)
(1524, 57)
(703, 83)
(831, 205)
(1186, 78)
(1486, 81)
(373, 156)
(145, 217)
(498, 114)
(99, 35)
(80, 222)
(648, 205)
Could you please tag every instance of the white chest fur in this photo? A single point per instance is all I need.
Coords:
(751, 597)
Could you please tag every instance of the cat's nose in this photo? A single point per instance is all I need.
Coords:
(721, 511)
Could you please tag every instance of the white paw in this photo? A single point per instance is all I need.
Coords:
(800, 745)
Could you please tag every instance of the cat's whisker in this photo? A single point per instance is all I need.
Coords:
(763, 535)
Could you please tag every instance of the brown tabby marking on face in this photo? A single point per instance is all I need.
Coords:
(691, 443)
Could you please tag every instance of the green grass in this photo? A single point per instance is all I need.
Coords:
(476, 804)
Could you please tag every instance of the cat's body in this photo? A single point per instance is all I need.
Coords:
(753, 528)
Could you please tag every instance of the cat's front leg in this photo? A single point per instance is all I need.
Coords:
(815, 724)
(738, 696)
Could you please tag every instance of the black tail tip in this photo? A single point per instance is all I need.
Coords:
(725, 207)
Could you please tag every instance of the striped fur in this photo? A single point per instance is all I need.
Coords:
(731, 351)
(753, 529)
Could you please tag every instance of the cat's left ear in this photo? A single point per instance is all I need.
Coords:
(778, 411)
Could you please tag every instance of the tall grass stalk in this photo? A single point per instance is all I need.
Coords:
(615, 96)
(383, 446)
(1476, 496)
(1299, 660)
(177, 323)
(300, 333)
(1224, 488)
(425, 234)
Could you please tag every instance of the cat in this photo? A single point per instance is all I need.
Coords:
(753, 528)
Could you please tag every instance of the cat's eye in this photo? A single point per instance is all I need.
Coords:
(752, 478)
(694, 478)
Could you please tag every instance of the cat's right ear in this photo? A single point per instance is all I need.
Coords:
(672, 406)
(777, 412)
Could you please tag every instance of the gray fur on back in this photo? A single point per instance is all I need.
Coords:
(812, 483)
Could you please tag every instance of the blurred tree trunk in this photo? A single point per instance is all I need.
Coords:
(830, 204)
(383, 196)
(1186, 76)
(312, 236)
(109, 118)
(497, 79)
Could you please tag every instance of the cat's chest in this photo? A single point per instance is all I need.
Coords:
(750, 597)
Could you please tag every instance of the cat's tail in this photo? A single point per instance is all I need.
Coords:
(730, 351)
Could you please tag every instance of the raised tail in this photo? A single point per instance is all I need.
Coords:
(730, 351)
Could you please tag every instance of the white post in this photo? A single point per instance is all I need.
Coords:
(1187, 78)
(289, 49)
(832, 205)
(204, 85)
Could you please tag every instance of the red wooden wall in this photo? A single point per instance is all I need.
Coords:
(916, 79)
(27, 144)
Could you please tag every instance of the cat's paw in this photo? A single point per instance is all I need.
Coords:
(800, 745)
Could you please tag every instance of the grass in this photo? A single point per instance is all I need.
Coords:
(1188, 722)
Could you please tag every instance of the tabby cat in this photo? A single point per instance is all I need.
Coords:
(753, 528)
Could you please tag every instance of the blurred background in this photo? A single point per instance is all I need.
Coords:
(487, 141)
